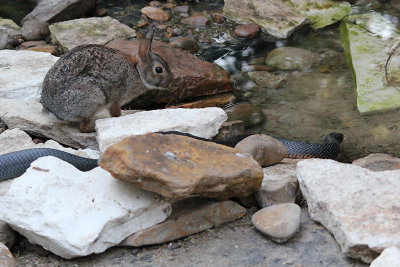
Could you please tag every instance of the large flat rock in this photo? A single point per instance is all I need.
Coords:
(22, 72)
(95, 30)
(361, 208)
(74, 213)
(178, 166)
(367, 47)
(275, 17)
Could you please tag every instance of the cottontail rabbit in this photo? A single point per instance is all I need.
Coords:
(91, 77)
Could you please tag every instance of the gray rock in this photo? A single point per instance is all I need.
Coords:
(59, 10)
(189, 216)
(12, 29)
(74, 213)
(378, 162)
(230, 129)
(266, 79)
(275, 17)
(72, 33)
(292, 58)
(279, 184)
(265, 149)
(22, 73)
(359, 207)
(7, 235)
(6, 257)
(3, 37)
(279, 222)
(389, 257)
(33, 30)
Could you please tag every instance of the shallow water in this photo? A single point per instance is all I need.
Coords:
(311, 103)
(16, 9)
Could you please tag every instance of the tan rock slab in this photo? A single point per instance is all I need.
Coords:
(265, 149)
(189, 216)
(177, 166)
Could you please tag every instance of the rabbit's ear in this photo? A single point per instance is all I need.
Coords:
(145, 44)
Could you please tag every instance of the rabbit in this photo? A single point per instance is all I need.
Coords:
(91, 77)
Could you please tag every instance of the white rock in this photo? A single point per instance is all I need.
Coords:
(361, 208)
(202, 122)
(15, 140)
(22, 72)
(389, 257)
(74, 213)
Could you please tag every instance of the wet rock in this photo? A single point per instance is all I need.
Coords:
(266, 79)
(59, 215)
(59, 10)
(230, 129)
(247, 31)
(322, 13)
(389, 257)
(72, 33)
(29, 116)
(278, 222)
(32, 66)
(44, 48)
(189, 216)
(6, 257)
(275, 17)
(15, 139)
(359, 207)
(7, 235)
(155, 4)
(279, 184)
(185, 43)
(193, 77)
(251, 115)
(182, 166)
(203, 122)
(265, 149)
(29, 44)
(218, 17)
(33, 30)
(292, 58)
(3, 38)
(367, 48)
(182, 9)
(378, 162)
(155, 13)
(196, 21)
(219, 100)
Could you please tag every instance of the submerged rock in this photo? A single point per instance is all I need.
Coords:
(189, 216)
(203, 122)
(359, 207)
(72, 33)
(266, 79)
(275, 17)
(278, 222)
(367, 47)
(250, 114)
(292, 58)
(177, 166)
(22, 73)
(322, 13)
(74, 213)
(193, 77)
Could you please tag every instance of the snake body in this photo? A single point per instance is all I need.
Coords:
(15, 164)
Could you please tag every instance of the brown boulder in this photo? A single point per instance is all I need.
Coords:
(265, 149)
(193, 76)
(177, 166)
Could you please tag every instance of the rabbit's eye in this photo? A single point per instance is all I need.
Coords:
(158, 69)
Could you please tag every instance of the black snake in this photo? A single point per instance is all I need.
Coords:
(15, 164)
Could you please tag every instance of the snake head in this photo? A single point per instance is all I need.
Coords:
(334, 138)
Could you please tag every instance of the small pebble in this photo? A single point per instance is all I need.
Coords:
(247, 31)
(197, 21)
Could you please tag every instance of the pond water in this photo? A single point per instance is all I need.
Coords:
(309, 104)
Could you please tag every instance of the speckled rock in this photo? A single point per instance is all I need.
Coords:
(72, 33)
(247, 31)
(275, 17)
(189, 216)
(250, 114)
(292, 58)
(389, 257)
(378, 162)
(265, 149)
(278, 222)
(7, 235)
(279, 184)
(181, 166)
(155, 13)
(364, 219)
(6, 257)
